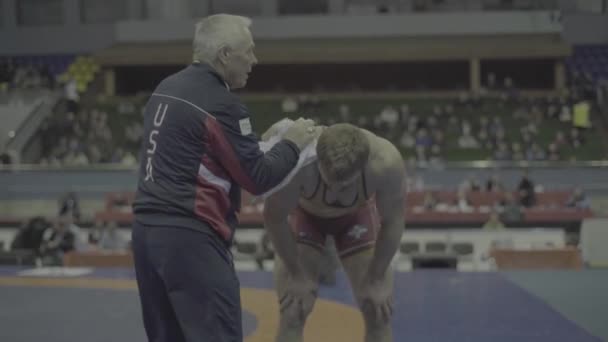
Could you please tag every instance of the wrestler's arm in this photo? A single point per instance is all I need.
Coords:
(390, 201)
(276, 210)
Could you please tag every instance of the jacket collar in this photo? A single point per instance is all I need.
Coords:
(206, 67)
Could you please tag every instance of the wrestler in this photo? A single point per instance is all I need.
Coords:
(353, 192)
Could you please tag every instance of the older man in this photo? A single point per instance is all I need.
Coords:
(198, 151)
(355, 193)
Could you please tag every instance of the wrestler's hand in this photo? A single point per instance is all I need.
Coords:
(299, 297)
(302, 132)
(376, 299)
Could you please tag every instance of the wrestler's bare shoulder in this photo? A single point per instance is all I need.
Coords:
(383, 155)
(307, 178)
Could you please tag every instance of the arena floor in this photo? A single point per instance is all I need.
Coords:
(88, 305)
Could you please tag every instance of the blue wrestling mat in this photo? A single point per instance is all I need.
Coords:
(79, 305)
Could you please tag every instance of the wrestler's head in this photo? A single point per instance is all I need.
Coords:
(342, 152)
(225, 42)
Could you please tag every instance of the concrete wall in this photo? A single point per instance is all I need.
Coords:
(120, 22)
(586, 28)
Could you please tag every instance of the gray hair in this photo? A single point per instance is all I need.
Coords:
(215, 32)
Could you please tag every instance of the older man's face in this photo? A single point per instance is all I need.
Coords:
(240, 61)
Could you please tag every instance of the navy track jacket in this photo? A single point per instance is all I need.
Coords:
(198, 151)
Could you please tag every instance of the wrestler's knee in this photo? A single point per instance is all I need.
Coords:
(293, 317)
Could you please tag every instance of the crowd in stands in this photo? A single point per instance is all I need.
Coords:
(50, 241)
(497, 124)
(25, 76)
(85, 137)
(509, 204)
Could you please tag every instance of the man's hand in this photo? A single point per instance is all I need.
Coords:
(273, 130)
(299, 297)
(376, 298)
(302, 132)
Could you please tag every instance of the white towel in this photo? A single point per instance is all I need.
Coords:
(307, 155)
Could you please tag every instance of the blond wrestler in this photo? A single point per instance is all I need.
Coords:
(353, 192)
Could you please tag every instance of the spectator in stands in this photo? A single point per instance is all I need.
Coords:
(510, 92)
(118, 156)
(532, 127)
(578, 200)
(344, 113)
(552, 110)
(525, 189)
(565, 114)
(438, 137)
(423, 139)
(432, 122)
(289, 105)
(30, 234)
(526, 138)
(536, 117)
(484, 139)
(407, 139)
(128, 159)
(71, 95)
(94, 154)
(467, 140)
(511, 210)
(133, 135)
(413, 123)
(414, 181)
(580, 118)
(421, 155)
(576, 139)
(436, 160)
(535, 152)
(58, 240)
(560, 139)
(502, 152)
(493, 184)
(470, 184)
(126, 107)
(496, 128)
(95, 232)
(70, 203)
(382, 120)
(463, 204)
(110, 238)
(493, 222)
(430, 200)
(517, 153)
(553, 154)
(75, 157)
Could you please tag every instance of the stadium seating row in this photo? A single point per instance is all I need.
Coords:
(550, 208)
